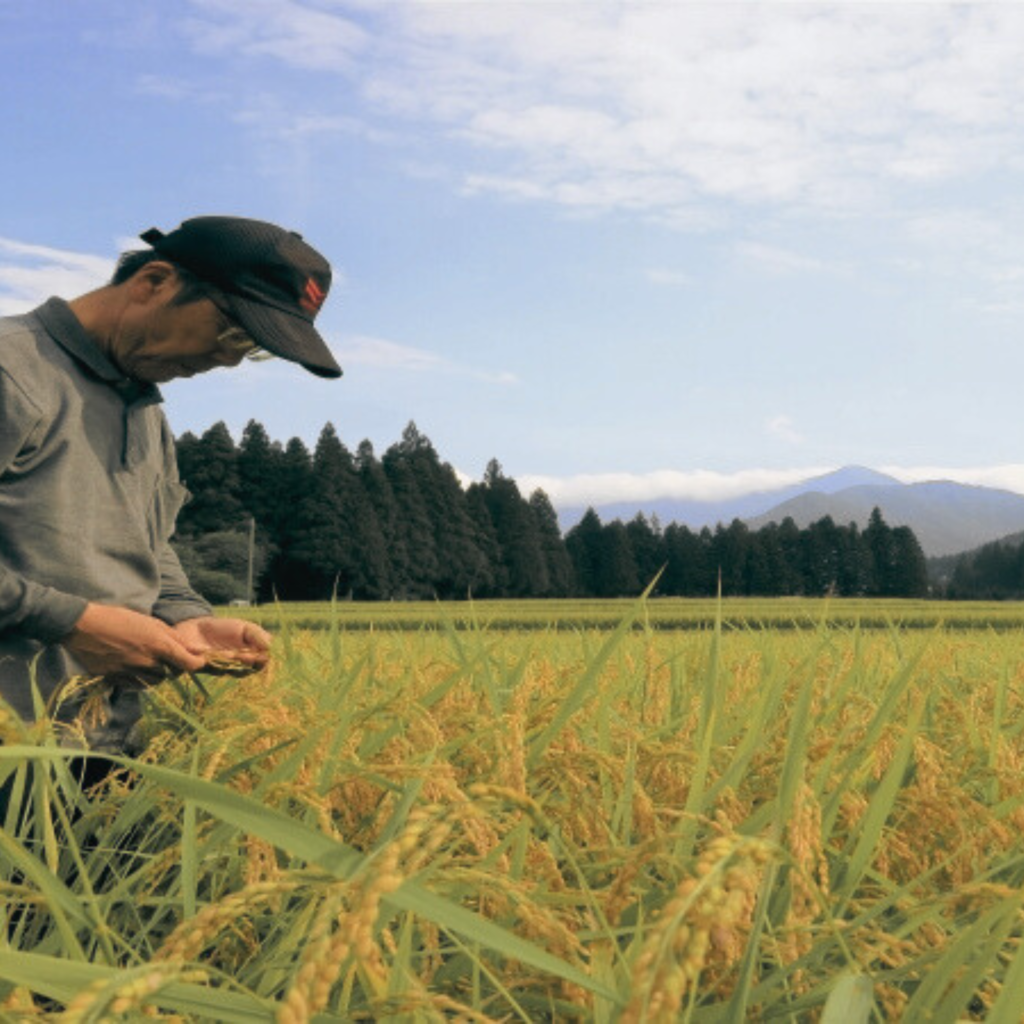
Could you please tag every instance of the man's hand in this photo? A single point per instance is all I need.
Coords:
(245, 641)
(110, 640)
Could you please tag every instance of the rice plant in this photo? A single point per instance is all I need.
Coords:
(624, 824)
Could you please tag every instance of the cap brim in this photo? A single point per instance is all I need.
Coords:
(290, 337)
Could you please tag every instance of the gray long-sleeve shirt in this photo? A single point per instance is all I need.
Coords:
(89, 492)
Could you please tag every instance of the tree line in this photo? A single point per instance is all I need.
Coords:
(402, 526)
(777, 560)
(993, 572)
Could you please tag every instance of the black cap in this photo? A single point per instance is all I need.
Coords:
(276, 282)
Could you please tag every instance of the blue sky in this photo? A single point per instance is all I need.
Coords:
(628, 249)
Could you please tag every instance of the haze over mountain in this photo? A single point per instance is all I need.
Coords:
(697, 514)
(947, 518)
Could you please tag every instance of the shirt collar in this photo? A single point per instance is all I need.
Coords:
(64, 327)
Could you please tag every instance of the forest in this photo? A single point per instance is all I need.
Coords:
(994, 572)
(309, 525)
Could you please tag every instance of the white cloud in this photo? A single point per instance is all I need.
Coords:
(967, 229)
(1009, 309)
(782, 262)
(705, 485)
(388, 355)
(979, 252)
(668, 278)
(782, 427)
(269, 119)
(176, 89)
(381, 354)
(695, 485)
(675, 111)
(31, 273)
(295, 33)
(662, 106)
(1008, 477)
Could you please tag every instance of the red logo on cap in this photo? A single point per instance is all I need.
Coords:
(312, 297)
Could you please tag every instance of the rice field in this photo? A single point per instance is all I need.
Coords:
(733, 821)
(669, 614)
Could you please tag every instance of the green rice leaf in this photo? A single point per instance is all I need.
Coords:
(851, 1001)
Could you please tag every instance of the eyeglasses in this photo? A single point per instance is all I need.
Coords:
(235, 339)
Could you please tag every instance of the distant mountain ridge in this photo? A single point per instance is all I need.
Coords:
(697, 514)
(947, 517)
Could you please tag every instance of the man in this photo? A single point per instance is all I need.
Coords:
(89, 490)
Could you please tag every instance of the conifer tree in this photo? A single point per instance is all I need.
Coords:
(821, 557)
(556, 558)
(585, 548)
(878, 538)
(338, 537)
(259, 474)
(910, 572)
(487, 541)
(791, 582)
(729, 549)
(467, 570)
(462, 567)
(762, 563)
(518, 534)
(766, 569)
(288, 577)
(209, 469)
(402, 526)
(686, 563)
(416, 528)
(382, 498)
(854, 562)
(645, 542)
(616, 568)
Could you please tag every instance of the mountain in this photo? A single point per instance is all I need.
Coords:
(697, 514)
(942, 567)
(946, 517)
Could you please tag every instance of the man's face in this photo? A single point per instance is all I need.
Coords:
(159, 341)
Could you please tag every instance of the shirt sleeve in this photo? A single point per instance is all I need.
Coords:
(177, 601)
(27, 608)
